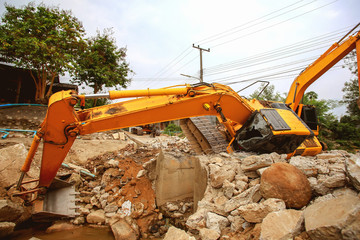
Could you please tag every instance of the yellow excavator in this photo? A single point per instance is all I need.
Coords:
(251, 125)
(327, 60)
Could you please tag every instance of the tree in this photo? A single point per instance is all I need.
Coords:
(43, 39)
(268, 94)
(102, 64)
(351, 87)
(322, 107)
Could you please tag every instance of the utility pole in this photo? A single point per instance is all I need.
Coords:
(201, 68)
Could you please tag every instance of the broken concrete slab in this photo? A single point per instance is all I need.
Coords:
(328, 218)
(284, 224)
(352, 167)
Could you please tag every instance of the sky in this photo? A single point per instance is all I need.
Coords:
(253, 40)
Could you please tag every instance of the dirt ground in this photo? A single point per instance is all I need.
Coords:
(30, 117)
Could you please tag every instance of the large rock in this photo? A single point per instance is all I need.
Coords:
(9, 211)
(285, 224)
(124, 228)
(255, 212)
(286, 182)
(96, 217)
(352, 167)
(177, 234)
(6, 228)
(331, 218)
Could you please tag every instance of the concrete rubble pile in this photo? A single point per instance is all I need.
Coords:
(269, 197)
(161, 189)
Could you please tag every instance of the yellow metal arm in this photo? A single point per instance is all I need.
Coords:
(332, 56)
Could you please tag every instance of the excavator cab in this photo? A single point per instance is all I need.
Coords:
(273, 130)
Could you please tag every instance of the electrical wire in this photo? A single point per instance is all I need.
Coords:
(244, 26)
(279, 51)
(273, 25)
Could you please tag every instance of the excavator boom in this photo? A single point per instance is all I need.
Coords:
(326, 61)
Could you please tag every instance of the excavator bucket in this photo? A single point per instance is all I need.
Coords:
(58, 202)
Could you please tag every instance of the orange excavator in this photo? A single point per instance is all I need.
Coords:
(251, 125)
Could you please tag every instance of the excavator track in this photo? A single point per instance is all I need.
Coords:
(203, 135)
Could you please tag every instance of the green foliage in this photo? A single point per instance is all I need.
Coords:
(43, 39)
(322, 107)
(171, 129)
(102, 64)
(351, 87)
(89, 103)
(268, 94)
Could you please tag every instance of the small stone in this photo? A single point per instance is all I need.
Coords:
(124, 228)
(60, 226)
(79, 220)
(141, 173)
(216, 222)
(9, 211)
(96, 217)
(256, 212)
(251, 195)
(255, 162)
(177, 234)
(209, 234)
(111, 208)
(6, 228)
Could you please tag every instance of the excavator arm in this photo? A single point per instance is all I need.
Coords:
(333, 55)
(326, 61)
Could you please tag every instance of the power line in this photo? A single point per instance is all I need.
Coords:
(175, 61)
(242, 27)
(313, 43)
(273, 25)
(269, 77)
